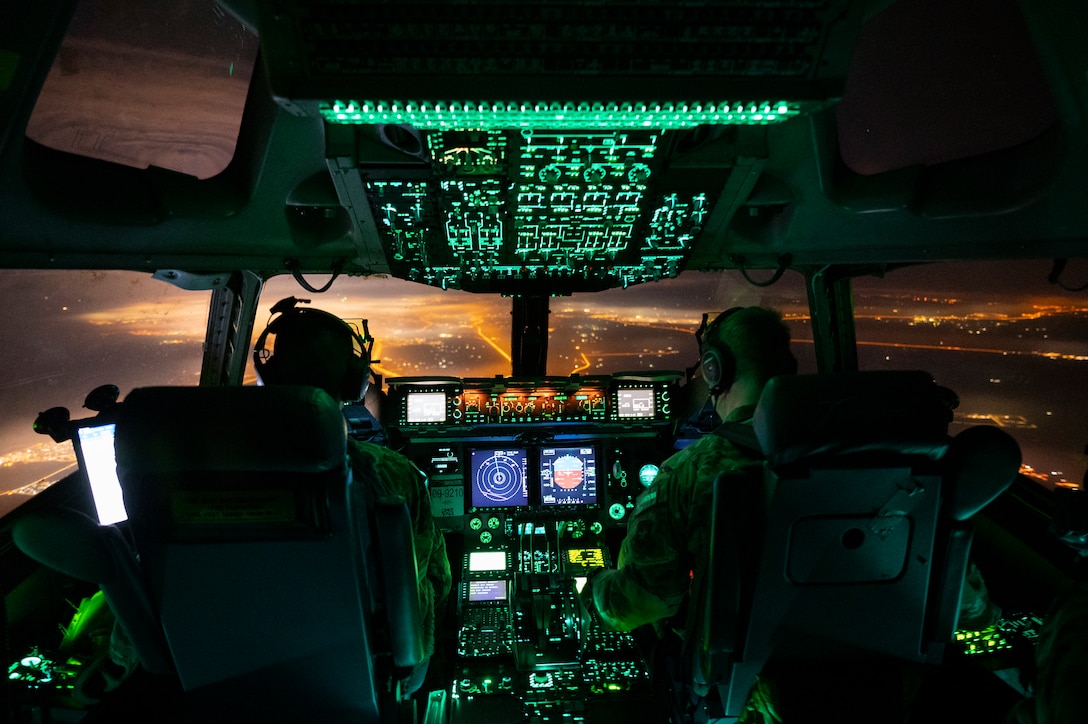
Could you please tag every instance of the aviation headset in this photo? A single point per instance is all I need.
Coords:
(719, 365)
(717, 362)
(357, 377)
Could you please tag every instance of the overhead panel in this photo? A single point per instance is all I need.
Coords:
(555, 146)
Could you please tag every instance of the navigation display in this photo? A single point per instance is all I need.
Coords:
(486, 561)
(425, 407)
(568, 475)
(637, 402)
(499, 478)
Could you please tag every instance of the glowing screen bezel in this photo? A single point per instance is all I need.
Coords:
(587, 454)
(422, 407)
(494, 465)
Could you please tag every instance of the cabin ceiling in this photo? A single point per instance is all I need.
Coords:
(876, 133)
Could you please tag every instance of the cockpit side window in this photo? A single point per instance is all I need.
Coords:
(67, 332)
(1009, 337)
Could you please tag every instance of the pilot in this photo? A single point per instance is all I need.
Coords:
(313, 347)
(668, 533)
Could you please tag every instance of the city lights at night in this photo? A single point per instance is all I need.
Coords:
(1010, 358)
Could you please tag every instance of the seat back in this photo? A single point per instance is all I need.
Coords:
(256, 553)
(853, 541)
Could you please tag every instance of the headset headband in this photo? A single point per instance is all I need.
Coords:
(286, 312)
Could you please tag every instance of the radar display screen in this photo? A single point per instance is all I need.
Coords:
(426, 407)
(635, 402)
(568, 475)
(499, 478)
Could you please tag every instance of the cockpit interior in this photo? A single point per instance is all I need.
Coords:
(528, 211)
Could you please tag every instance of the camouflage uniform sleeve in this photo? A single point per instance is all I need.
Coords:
(653, 570)
(431, 559)
(396, 475)
(430, 538)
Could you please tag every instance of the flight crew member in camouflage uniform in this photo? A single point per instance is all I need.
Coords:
(313, 347)
(668, 533)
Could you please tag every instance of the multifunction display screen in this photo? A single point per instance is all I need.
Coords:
(568, 475)
(499, 478)
(635, 402)
(425, 407)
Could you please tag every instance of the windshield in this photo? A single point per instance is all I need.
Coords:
(1015, 352)
(421, 331)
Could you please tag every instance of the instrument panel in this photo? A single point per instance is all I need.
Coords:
(537, 478)
(419, 404)
(497, 448)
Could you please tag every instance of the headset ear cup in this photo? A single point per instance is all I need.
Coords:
(719, 368)
(356, 379)
(267, 371)
(712, 369)
(263, 363)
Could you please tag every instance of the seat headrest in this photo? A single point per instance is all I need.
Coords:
(162, 430)
(982, 463)
(812, 416)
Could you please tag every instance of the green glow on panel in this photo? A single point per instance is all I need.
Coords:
(611, 116)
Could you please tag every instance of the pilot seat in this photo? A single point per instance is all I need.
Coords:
(848, 548)
(261, 573)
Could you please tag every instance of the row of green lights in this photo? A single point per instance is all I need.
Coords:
(442, 115)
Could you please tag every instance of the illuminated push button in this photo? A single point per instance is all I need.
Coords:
(616, 511)
(540, 680)
(475, 523)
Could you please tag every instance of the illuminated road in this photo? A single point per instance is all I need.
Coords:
(492, 343)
